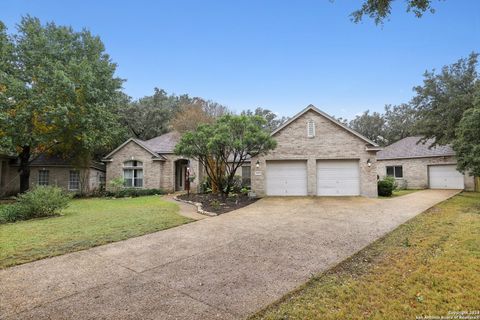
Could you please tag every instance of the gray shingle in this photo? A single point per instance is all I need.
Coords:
(409, 148)
(165, 143)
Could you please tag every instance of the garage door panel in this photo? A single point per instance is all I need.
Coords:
(286, 178)
(445, 177)
(338, 178)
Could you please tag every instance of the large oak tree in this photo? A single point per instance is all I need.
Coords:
(57, 94)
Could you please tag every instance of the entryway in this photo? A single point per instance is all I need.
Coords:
(181, 166)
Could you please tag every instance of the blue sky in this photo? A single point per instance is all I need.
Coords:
(281, 55)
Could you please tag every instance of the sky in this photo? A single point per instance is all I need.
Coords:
(277, 54)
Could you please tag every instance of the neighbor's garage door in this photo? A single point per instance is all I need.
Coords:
(338, 178)
(286, 178)
(444, 177)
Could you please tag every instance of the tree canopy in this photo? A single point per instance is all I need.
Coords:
(57, 94)
(273, 121)
(444, 97)
(379, 10)
(224, 146)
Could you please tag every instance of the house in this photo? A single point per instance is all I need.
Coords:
(316, 155)
(51, 170)
(415, 165)
(152, 164)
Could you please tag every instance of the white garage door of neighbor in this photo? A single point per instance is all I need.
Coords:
(338, 178)
(445, 177)
(286, 178)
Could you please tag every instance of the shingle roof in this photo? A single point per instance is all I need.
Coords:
(45, 160)
(409, 148)
(165, 143)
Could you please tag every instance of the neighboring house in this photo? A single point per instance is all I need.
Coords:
(51, 170)
(316, 155)
(152, 164)
(415, 165)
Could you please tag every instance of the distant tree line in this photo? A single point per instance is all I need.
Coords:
(445, 108)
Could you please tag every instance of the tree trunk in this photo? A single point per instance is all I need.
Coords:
(24, 169)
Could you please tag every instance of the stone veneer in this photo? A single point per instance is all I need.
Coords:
(415, 171)
(157, 174)
(331, 142)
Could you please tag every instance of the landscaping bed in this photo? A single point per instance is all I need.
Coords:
(214, 203)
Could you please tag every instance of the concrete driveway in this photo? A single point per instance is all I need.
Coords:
(225, 267)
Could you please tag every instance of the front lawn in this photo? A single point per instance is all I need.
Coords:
(427, 267)
(84, 224)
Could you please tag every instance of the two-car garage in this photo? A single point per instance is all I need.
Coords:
(333, 178)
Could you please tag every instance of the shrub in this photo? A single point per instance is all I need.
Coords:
(386, 186)
(135, 192)
(237, 184)
(206, 185)
(42, 201)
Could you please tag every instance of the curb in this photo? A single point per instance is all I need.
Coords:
(198, 205)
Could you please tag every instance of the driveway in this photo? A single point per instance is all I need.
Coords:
(225, 267)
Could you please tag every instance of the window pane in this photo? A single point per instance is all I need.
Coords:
(138, 183)
(139, 173)
(43, 177)
(74, 180)
(246, 171)
(390, 171)
(399, 172)
(128, 174)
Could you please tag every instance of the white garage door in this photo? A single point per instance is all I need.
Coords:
(286, 178)
(338, 178)
(444, 177)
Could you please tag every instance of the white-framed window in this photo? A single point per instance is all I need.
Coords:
(133, 174)
(74, 180)
(395, 171)
(311, 128)
(246, 175)
(43, 177)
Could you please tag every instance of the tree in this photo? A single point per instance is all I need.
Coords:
(190, 117)
(443, 99)
(467, 141)
(369, 125)
(57, 92)
(273, 121)
(224, 146)
(379, 10)
(399, 122)
(150, 116)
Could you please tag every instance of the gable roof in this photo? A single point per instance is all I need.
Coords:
(139, 143)
(410, 148)
(165, 143)
(311, 107)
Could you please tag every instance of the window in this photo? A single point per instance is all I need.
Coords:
(43, 177)
(310, 129)
(74, 180)
(395, 171)
(246, 171)
(133, 174)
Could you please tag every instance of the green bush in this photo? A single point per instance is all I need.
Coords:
(42, 201)
(135, 192)
(386, 186)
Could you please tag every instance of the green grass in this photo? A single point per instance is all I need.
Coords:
(429, 266)
(84, 224)
(400, 192)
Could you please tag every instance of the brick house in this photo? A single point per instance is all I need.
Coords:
(316, 155)
(152, 164)
(415, 165)
(51, 170)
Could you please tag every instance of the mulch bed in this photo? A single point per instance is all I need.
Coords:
(215, 203)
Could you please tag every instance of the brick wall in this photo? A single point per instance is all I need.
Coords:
(415, 171)
(330, 142)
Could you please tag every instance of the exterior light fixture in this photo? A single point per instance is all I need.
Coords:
(369, 163)
(257, 165)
